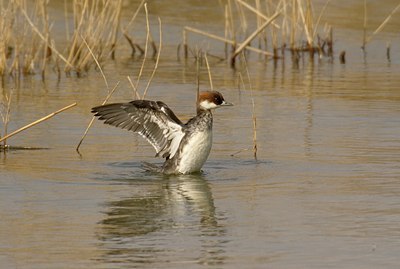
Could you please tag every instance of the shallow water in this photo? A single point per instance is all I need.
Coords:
(323, 192)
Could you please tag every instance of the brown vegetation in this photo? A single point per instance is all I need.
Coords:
(286, 25)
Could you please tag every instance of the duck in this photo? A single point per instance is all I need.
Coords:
(184, 146)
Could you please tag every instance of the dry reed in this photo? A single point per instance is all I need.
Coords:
(380, 27)
(37, 122)
(93, 118)
(209, 72)
(157, 60)
(254, 34)
(149, 41)
(297, 26)
(105, 100)
(26, 46)
(218, 38)
(146, 48)
(254, 117)
(98, 23)
(134, 86)
(5, 109)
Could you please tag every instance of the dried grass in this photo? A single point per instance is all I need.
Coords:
(290, 22)
(26, 45)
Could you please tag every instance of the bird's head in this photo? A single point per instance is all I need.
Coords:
(210, 100)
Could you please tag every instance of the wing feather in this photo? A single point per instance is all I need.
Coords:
(155, 121)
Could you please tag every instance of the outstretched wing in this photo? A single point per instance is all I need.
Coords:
(153, 120)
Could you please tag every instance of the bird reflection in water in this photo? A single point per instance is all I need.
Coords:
(173, 220)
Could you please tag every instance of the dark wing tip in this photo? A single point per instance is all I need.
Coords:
(95, 109)
(105, 109)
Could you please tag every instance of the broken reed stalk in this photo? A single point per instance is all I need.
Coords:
(157, 60)
(124, 30)
(382, 25)
(93, 118)
(254, 118)
(135, 92)
(218, 38)
(209, 72)
(96, 61)
(257, 12)
(254, 35)
(146, 46)
(37, 122)
(108, 96)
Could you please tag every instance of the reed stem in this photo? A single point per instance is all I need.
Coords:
(209, 72)
(146, 48)
(93, 118)
(37, 122)
(254, 34)
(382, 25)
(218, 38)
(157, 60)
(254, 118)
(6, 116)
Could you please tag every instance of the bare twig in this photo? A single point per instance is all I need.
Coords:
(37, 122)
(92, 120)
(382, 25)
(108, 96)
(157, 60)
(200, 32)
(124, 30)
(254, 34)
(6, 116)
(97, 62)
(256, 11)
(209, 72)
(146, 47)
(135, 92)
(253, 106)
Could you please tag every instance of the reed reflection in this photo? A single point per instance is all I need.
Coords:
(174, 217)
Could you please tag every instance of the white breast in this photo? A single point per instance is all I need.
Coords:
(195, 152)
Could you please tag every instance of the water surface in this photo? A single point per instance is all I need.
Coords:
(323, 192)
